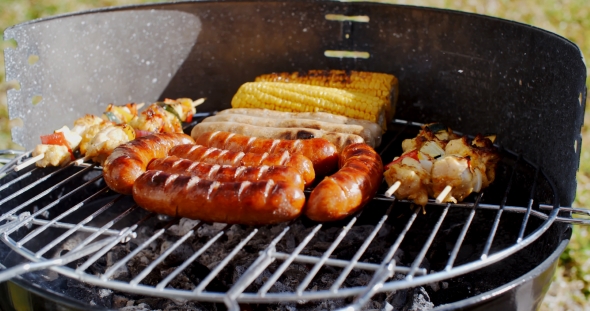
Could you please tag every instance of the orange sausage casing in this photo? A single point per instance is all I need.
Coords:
(249, 203)
(224, 173)
(130, 160)
(349, 189)
(321, 152)
(200, 153)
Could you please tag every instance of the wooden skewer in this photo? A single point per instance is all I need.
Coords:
(81, 160)
(440, 198)
(199, 101)
(392, 189)
(29, 162)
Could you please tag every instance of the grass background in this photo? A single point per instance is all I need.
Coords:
(569, 18)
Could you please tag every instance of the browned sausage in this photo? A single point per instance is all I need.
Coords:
(223, 173)
(321, 152)
(249, 203)
(130, 160)
(348, 190)
(225, 157)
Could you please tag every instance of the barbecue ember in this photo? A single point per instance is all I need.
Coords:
(437, 159)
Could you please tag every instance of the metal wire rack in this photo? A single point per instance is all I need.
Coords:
(38, 216)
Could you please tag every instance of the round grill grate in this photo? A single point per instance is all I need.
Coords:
(67, 220)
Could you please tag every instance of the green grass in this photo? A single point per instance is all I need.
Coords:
(569, 18)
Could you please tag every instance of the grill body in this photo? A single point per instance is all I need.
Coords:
(475, 73)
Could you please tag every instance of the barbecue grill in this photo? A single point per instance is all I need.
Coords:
(66, 235)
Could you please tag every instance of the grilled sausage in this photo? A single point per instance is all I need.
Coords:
(340, 140)
(249, 203)
(350, 188)
(224, 173)
(212, 155)
(322, 153)
(298, 123)
(130, 160)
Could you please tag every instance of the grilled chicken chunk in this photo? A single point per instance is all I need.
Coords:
(54, 155)
(107, 139)
(157, 120)
(412, 170)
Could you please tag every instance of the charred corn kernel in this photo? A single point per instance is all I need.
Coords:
(302, 97)
(382, 85)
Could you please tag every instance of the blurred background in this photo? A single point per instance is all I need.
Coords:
(570, 289)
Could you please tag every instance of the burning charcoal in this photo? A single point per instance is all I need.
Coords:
(119, 301)
(181, 281)
(122, 273)
(196, 272)
(178, 255)
(139, 262)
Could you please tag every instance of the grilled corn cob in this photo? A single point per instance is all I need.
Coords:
(382, 85)
(297, 97)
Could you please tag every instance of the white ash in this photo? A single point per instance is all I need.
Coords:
(184, 226)
(104, 292)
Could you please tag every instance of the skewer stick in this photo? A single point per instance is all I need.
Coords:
(29, 162)
(199, 101)
(440, 198)
(81, 160)
(392, 189)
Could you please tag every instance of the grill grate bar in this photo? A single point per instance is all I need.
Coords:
(122, 235)
(163, 256)
(462, 235)
(33, 184)
(138, 249)
(341, 263)
(5, 170)
(104, 228)
(318, 265)
(385, 272)
(190, 260)
(389, 256)
(223, 263)
(271, 281)
(525, 219)
(50, 223)
(255, 269)
(63, 225)
(427, 244)
(336, 285)
(50, 205)
(496, 223)
(19, 178)
(77, 226)
(386, 269)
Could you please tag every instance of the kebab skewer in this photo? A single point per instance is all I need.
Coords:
(439, 163)
(96, 137)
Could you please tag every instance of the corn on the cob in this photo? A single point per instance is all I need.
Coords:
(295, 97)
(382, 85)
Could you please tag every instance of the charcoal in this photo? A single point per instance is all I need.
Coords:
(119, 301)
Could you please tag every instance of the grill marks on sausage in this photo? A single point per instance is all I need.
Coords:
(321, 152)
(128, 161)
(225, 173)
(215, 156)
(247, 202)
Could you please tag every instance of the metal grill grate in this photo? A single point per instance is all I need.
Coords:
(44, 208)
